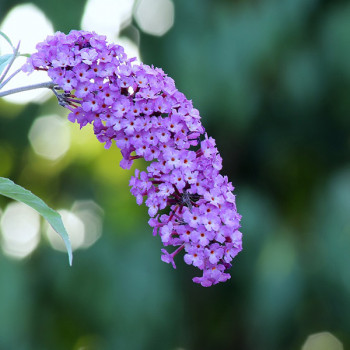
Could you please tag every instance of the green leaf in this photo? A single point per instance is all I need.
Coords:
(6, 38)
(4, 61)
(9, 189)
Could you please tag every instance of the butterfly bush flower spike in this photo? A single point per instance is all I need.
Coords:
(138, 108)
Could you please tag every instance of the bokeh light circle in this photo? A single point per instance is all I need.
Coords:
(75, 228)
(20, 229)
(154, 17)
(28, 25)
(49, 137)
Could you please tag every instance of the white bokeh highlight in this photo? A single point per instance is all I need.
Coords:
(49, 136)
(91, 215)
(154, 17)
(130, 48)
(20, 230)
(29, 25)
(83, 224)
(322, 341)
(109, 23)
(107, 17)
(74, 227)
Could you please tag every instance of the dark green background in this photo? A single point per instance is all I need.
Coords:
(271, 79)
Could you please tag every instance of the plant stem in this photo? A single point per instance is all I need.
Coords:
(9, 78)
(15, 52)
(49, 85)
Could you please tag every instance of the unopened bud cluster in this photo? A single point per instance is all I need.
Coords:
(138, 107)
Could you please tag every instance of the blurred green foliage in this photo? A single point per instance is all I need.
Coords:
(271, 79)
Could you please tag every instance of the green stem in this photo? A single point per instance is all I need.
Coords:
(49, 85)
(9, 78)
(15, 52)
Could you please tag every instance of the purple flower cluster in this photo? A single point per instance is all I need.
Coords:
(139, 108)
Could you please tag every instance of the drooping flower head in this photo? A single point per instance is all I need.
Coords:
(139, 109)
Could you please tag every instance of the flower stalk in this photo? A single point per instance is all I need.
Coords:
(48, 85)
(8, 67)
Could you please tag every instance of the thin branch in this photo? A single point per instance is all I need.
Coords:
(9, 78)
(15, 52)
(49, 85)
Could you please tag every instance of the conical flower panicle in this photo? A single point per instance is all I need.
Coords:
(138, 108)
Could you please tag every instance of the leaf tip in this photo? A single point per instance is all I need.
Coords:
(70, 257)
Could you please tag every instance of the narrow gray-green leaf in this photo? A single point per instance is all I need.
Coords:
(9, 189)
(6, 38)
(4, 61)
